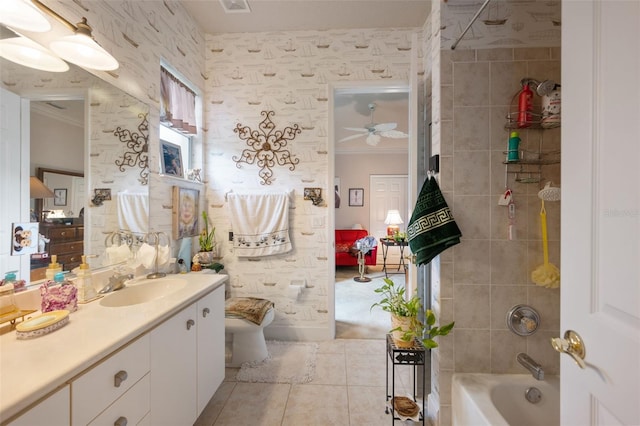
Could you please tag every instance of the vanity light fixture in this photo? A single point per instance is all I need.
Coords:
(27, 52)
(80, 48)
(23, 15)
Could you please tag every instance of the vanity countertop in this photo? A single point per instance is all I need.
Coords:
(30, 369)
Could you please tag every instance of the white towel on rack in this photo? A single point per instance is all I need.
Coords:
(260, 223)
(133, 211)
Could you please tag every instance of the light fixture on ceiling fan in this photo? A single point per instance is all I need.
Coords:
(374, 132)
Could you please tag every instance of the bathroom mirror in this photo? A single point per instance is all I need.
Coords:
(108, 118)
(69, 198)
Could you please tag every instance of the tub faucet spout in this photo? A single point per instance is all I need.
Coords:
(534, 368)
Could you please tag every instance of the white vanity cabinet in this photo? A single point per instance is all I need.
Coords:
(108, 386)
(187, 361)
(52, 411)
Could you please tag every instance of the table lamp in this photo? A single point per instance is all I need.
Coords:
(392, 221)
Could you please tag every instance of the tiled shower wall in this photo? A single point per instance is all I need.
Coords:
(487, 274)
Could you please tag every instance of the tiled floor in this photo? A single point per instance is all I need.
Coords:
(348, 390)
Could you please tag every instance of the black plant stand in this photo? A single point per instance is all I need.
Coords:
(414, 357)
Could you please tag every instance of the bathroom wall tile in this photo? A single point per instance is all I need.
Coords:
(545, 70)
(472, 129)
(446, 137)
(505, 81)
(547, 302)
(496, 54)
(556, 53)
(471, 173)
(446, 102)
(503, 298)
(445, 416)
(472, 83)
(472, 214)
(497, 176)
(499, 136)
(446, 350)
(463, 55)
(528, 53)
(445, 386)
(472, 262)
(446, 67)
(539, 348)
(472, 306)
(446, 313)
(446, 280)
(446, 173)
(505, 345)
(473, 352)
(508, 262)
(312, 401)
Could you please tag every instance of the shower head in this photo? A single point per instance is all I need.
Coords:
(549, 193)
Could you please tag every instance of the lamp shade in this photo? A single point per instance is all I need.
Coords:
(27, 52)
(37, 189)
(81, 49)
(23, 15)
(392, 221)
(393, 218)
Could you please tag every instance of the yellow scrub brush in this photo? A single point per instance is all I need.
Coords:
(547, 274)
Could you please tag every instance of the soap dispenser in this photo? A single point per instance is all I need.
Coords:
(53, 269)
(83, 282)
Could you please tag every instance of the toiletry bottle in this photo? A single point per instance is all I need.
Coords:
(53, 269)
(514, 142)
(83, 282)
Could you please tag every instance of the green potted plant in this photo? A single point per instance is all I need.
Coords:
(406, 326)
(207, 240)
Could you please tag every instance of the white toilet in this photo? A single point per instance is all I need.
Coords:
(248, 339)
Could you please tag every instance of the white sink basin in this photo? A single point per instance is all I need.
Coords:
(143, 293)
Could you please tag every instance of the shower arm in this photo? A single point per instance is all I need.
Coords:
(455, 43)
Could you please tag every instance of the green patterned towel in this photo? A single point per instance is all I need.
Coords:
(431, 229)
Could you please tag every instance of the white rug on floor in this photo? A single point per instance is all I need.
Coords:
(288, 362)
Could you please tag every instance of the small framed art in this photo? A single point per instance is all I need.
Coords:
(356, 197)
(185, 212)
(171, 159)
(60, 197)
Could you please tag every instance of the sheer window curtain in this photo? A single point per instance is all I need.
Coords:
(177, 103)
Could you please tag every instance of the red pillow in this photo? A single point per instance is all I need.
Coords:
(343, 247)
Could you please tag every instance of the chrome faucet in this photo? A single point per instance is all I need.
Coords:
(534, 368)
(116, 282)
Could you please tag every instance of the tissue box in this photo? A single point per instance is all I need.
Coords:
(58, 297)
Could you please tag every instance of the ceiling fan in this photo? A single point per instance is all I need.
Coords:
(374, 132)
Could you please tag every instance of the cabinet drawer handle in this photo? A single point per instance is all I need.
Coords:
(120, 377)
(122, 421)
(205, 312)
(63, 233)
(190, 324)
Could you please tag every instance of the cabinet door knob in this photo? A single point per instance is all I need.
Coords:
(120, 377)
(205, 312)
(122, 421)
(190, 324)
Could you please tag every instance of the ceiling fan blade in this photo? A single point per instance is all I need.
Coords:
(357, 129)
(395, 134)
(383, 127)
(348, 138)
(373, 139)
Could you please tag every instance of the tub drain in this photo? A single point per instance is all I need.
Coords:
(533, 395)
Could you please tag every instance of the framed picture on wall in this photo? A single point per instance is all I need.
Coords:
(171, 159)
(185, 212)
(356, 197)
(60, 197)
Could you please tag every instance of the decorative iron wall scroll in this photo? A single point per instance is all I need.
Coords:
(267, 147)
(136, 149)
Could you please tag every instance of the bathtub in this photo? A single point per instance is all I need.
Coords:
(499, 400)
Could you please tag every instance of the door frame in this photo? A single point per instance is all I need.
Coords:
(338, 87)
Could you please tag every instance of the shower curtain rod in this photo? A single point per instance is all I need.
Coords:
(455, 43)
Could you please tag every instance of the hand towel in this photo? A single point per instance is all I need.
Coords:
(432, 228)
(133, 211)
(260, 223)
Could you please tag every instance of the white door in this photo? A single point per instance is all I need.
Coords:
(601, 210)
(388, 192)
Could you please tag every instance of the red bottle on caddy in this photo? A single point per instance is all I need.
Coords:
(525, 105)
